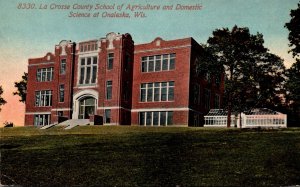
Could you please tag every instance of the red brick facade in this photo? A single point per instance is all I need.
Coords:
(121, 83)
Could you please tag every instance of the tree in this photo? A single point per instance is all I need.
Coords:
(294, 27)
(22, 87)
(207, 63)
(269, 75)
(248, 65)
(293, 75)
(293, 86)
(2, 101)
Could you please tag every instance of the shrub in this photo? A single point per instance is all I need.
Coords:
(8, 124)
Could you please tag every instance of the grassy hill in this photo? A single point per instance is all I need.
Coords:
(141, 156)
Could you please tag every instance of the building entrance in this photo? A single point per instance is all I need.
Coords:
(86, 107)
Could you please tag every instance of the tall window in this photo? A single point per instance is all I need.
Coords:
(107, 115)
(63, 66)
(126, 62)
(41, 119)
(217, 101)
(156, 118)
(88, 70)
(158, 63)
(108, 89)
(158, 91)
(207, 99)
(196, 92)
(126, 91)
(208, 77)
(44, 74)
(43, 98)
(218, 80)
(61, 93)
(110, 61)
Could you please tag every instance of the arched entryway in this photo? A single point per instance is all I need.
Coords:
(86, 107)
(85, 103)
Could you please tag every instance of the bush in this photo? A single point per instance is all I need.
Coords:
(8, 124)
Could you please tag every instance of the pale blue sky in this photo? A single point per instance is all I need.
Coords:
(48, 27)
(31, 33)
(265, 16)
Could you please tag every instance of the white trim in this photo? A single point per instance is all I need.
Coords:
(43, 63)
(110, 37)
(86, 92)
(159, 109)
(63, 44)
(147, 109)
(113, 107)
(126, 109)
(61, 109)
(157, 43)
(161, 49)
(87, 54)
(94, 85)
(109, 107)
(195, 110)
(33, 113)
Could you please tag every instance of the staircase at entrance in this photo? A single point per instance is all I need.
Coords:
(69, 124)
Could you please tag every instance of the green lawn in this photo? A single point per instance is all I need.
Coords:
(140, 156)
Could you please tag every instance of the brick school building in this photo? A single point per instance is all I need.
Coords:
(118, 82)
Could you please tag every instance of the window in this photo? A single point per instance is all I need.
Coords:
(126, 91)
(196, 93)
(108, 89)
(88, 70)
(170, 90)
(43, 98)
(218, 80)
(63, 66)
(61, 93)
(158, 91)
(207, 99)
(208, 77)
(126, 62)
(156, 118)
(196, 120)
(107, 115)
(44, 74)
(41, 119)
(85, 47)
(60, 113)
(217, 101)
(155, 63)
(110, 61)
